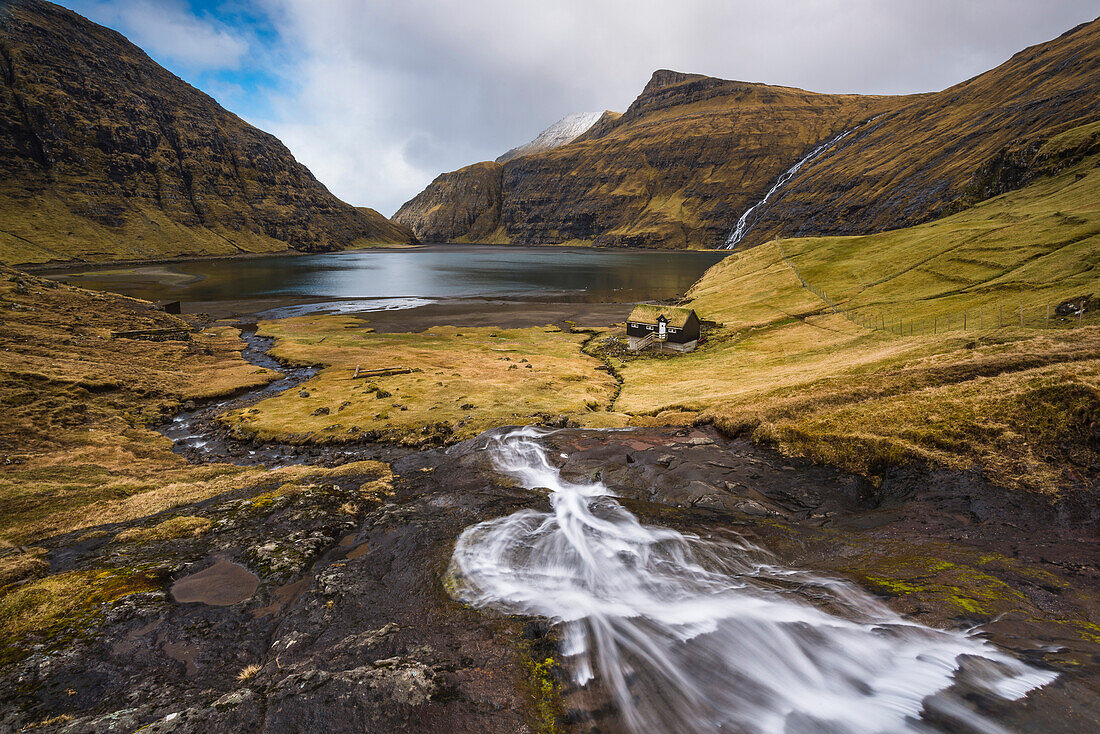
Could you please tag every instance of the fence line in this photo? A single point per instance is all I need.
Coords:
(890, 320)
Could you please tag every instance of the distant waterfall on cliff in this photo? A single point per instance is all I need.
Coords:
(709, 635)
(743, 225)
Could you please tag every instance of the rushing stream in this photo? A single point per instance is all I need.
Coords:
(701, 635)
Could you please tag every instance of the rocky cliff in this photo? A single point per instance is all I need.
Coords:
(675, 170)
(106, 155)
(461, 206)
(693, 153)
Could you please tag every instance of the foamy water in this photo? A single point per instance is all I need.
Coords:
(699, 635)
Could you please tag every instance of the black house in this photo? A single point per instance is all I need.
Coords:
(670, 326)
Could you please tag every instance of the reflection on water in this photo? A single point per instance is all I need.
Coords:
(436, 272)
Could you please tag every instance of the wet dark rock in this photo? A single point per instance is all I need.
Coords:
(1077, 306)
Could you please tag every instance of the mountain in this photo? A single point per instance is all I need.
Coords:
(674, 170)
(946, 151)
(565, 130)
(462, 206)
(106, 155)
(694, 153)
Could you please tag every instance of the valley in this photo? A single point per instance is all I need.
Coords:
(273, 462)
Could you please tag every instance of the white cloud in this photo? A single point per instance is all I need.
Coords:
(168, 30)
(388, 95)
(380, 97)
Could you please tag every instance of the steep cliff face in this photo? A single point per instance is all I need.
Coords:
(462, 206)
(106, 155)
(693, 153)
(945, 151)
(677, 168)
(673, 171)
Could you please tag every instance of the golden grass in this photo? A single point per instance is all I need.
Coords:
(1021, 403)
(53, 721)
(248, 672)
(76, 450)
(54, 603)
(465, 380)
(22, 565)
(182, 526)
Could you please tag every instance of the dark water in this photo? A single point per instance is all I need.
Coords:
(451, 271)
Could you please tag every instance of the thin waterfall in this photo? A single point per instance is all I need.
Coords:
(694, 635)
(743, 225)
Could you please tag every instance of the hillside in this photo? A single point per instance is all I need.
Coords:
(462, 206)
(893, 374)
(675, 170)
(106, 155)
(693, 153)
(945, 151)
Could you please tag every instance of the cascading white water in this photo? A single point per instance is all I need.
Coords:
(700, 635)
(743, 225)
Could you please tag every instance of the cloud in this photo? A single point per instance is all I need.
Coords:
(377, 98)
(388, 95)
(170, 31)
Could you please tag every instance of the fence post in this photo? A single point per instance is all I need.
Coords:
(1021, 314)
(1048, 316)
(981, 317)
(964, 319)
(1000, 316)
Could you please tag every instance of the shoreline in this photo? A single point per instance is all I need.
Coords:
(85, 266)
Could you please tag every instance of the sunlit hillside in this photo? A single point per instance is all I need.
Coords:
(840, 383)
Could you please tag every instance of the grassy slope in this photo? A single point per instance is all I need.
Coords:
(932, 156)
(43, 229)
(1021, 402)
(74, 450)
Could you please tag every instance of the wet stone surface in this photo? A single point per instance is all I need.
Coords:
(350, 626)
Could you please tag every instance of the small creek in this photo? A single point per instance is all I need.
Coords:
(198, 436)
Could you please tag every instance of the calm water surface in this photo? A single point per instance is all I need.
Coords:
(426, 273)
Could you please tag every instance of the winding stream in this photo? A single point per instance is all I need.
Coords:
(198, 436)
(697, 635)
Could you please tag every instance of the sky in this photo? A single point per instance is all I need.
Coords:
(378, 97)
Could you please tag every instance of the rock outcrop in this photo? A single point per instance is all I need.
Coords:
(106, 155)
(462, 206)
(693, 153)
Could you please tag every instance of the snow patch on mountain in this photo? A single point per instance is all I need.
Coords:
(565, 130)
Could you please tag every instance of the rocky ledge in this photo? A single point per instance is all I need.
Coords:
(325, 608)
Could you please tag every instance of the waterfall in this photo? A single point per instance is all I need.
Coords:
(694, 634)
(743, 225)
